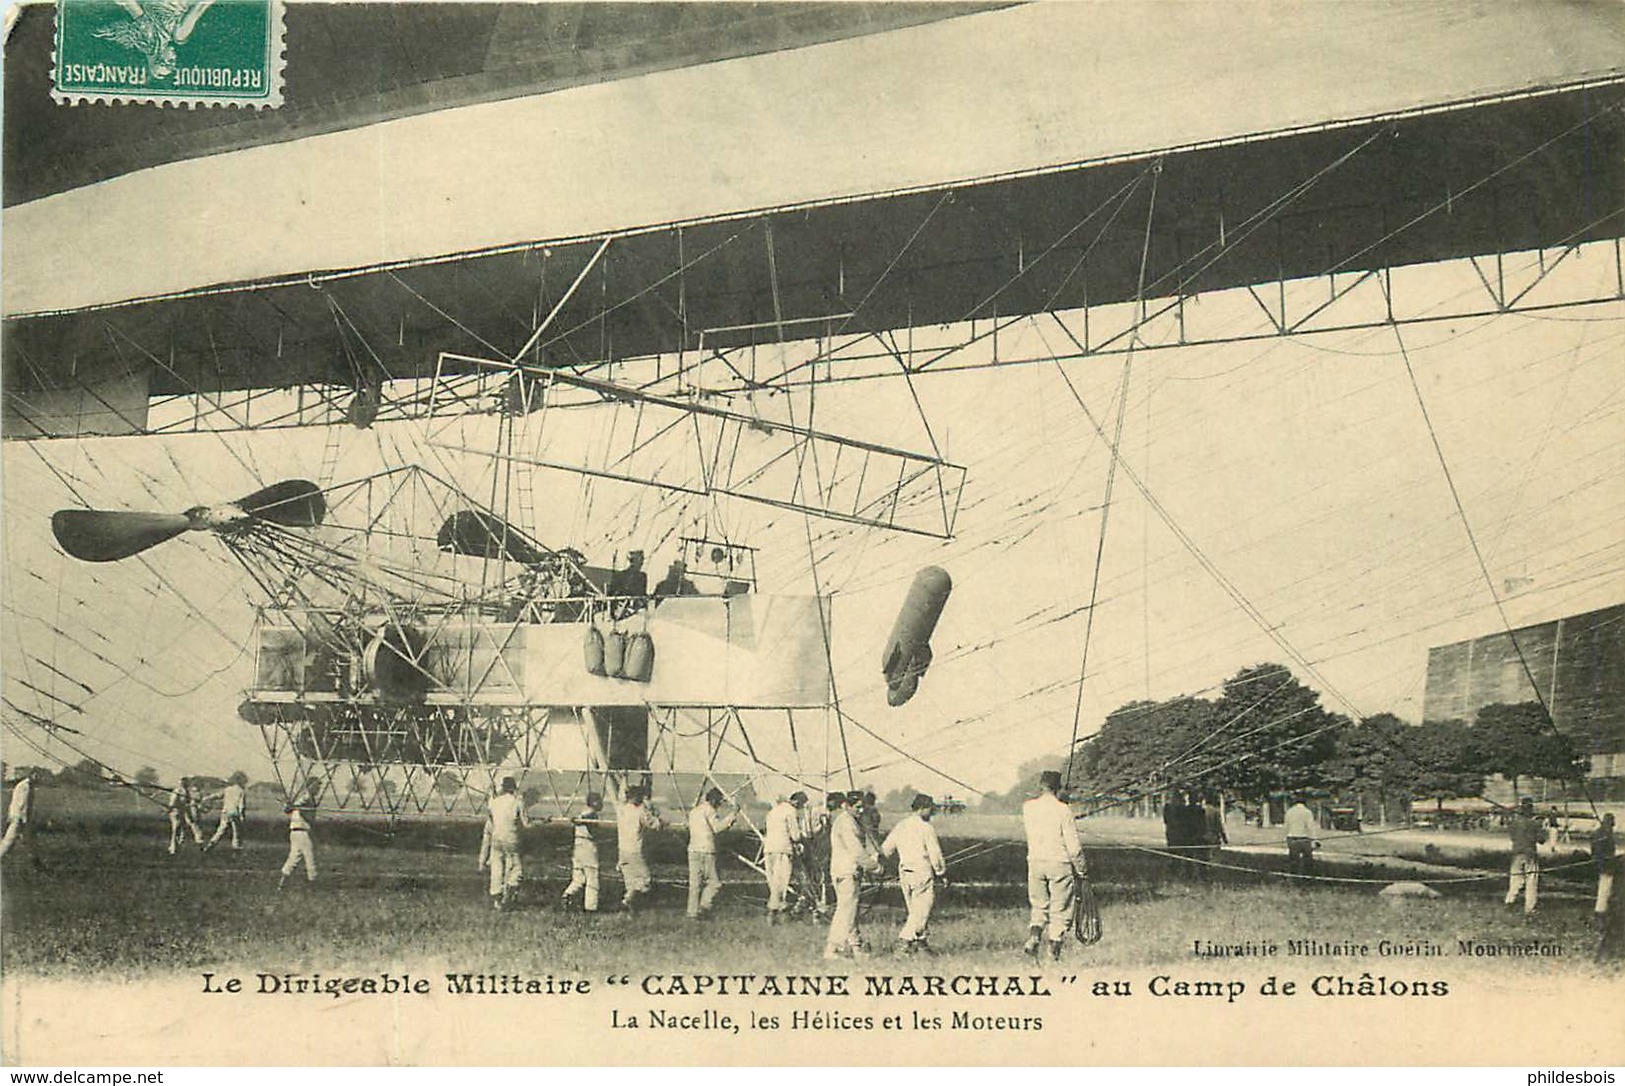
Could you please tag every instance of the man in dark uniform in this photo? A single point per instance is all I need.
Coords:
(629, 586)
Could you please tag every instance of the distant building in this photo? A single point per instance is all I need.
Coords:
(1578, 665)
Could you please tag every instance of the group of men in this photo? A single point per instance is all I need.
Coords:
(832, 854)
(187, 802)
(1193, 826)
(1528, 831)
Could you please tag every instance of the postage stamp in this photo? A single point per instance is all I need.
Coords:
(169, 52)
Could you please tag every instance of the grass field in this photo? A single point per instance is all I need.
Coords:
(106, 901)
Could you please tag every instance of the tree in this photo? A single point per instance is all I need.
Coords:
(1373, 763)
(1520, 741)
(1275, 735)
(1447, 769)
(1144, 745)
(85, 773)
(147, 776)
(898, 799)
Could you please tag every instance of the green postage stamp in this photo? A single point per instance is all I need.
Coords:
(169, 52)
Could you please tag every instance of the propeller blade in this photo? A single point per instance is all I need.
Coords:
(484, 536)
(292, 503)
(95, 535)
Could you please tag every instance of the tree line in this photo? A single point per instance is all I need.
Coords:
(1267, 733)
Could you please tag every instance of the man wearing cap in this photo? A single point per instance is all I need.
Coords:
(505, 813)
(781, 840)
(629, 587)
(1054, 863)
(869, 818)
(632, 820)
(1527, 836)
(919, 865)
(584, 857)
(704, 823)
(846, 856)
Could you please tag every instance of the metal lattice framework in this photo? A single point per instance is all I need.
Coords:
(343, 697)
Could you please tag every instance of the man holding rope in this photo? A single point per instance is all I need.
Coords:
(1054, 864)
(505, 814)
(847, 854)
(20, 812)
(1527, 834)
(182, 807)
(919, 865)
(633, 820)
(705, 821)
(780, 844)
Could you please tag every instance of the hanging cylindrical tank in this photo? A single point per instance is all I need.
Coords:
(640, 657)
(908, 650)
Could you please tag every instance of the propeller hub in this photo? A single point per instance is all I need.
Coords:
(217, 518)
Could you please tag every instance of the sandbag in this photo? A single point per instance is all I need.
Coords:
(640, 657)
(615, 654)
(592, 648)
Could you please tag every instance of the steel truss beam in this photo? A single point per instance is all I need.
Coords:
(693, 447)
(492, 388)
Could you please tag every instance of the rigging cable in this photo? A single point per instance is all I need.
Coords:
(1111, 479)
(1478, 554)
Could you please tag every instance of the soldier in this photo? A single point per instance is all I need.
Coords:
(505, 814)
(813, 864)
(780, 843)
(1302, 837)
(1527, 835)
(233, 804)
(1054, 864)
(301, 846)
(20, 812)
(629, 587)
(1606, 913)
(584, 857)
(633, 819)
(869, 818)
(1605, 860)
(704, 824)
(183, 812)
(846, 857)
(919, 865)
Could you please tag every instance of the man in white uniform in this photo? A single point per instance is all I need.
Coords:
(632, 820)
(705, 821)
(183, 812)
(301, 847)
(919, 865)
(505, 812)
(846, 857)
(584, 857)
(19, 813)
(780, 843)
(1302, 837)
(1054, 863)
(233, 803)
